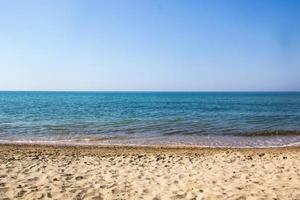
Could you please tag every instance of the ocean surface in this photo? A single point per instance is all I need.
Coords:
(216, 119)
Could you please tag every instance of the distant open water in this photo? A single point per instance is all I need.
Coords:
(226, 119)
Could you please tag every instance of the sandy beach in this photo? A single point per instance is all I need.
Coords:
(53, 172)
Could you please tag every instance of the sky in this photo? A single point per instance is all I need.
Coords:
(150, 45)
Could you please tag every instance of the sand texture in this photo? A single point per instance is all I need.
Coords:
(45, 172)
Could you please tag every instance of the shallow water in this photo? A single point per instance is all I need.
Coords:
(149, 118)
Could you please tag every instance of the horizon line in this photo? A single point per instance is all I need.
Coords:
(145, 91)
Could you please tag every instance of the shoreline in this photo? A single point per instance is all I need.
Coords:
(33, 171)
(124, 149)
(144, 147)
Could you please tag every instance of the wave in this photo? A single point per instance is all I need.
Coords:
(265, 133)
(268, 133)
(99, 138)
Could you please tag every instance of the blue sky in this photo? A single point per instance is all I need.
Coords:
(150, 45)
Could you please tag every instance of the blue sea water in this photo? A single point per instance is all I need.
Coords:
(234, 119)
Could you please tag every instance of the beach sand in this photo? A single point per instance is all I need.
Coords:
(53, 172)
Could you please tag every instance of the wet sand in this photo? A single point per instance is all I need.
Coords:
(57, 172)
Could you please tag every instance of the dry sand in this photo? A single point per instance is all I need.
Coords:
(49, 172)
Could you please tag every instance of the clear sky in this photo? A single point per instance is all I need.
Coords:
(174, 45)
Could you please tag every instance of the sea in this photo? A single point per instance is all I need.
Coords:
(202, 119)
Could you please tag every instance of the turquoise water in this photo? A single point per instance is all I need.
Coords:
(149, 118)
